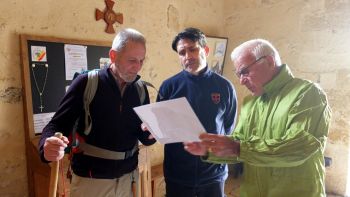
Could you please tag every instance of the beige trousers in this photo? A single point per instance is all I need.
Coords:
(90, 187)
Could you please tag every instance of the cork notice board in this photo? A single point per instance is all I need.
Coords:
(45, 75)
(45, 80)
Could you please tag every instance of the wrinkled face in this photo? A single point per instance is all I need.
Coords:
(254, 73)
(192, 56)
(129, 61)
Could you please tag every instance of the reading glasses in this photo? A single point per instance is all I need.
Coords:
(244, 71)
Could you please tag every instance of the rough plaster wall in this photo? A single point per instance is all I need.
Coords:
(313, 39)
(158, 20)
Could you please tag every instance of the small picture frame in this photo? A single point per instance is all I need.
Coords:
(217, 52)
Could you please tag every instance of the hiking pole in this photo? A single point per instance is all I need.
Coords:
(54, 173)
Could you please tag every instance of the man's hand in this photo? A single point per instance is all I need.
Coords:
(145, 128)
(220, 145)
(54, 148)
(195, 148)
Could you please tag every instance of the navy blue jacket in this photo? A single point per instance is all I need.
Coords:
(213, 99)
(115, 126)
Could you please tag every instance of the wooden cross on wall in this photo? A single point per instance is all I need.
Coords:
(109, 16)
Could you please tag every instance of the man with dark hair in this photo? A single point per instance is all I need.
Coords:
(190, 33)
(213, 99)
(108, 157)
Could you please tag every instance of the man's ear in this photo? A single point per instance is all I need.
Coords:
(206, 48)
(271, 60)
(112, 55)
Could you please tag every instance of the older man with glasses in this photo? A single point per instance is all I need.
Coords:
(282, 130)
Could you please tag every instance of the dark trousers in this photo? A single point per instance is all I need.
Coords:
(210, 190)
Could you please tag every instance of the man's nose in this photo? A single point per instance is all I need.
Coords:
(188, 55)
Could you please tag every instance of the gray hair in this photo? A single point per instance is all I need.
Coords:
(257, 47)
(126, 35)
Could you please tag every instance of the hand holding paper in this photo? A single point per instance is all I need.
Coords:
(144, 128)
(171, 121)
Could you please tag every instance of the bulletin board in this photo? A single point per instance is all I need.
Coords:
(48, 64)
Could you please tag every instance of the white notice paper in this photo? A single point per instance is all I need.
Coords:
(41, 120)
(171, 121)
(75, 59)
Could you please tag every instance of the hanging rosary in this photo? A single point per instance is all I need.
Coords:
(40, 90)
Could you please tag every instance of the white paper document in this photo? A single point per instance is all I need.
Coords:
(75, 57)
(171, 121)
(41, 120)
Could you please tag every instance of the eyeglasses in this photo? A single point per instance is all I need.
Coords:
(244, 71)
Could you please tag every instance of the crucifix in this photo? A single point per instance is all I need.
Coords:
(39, 88)
(41, 108)
(109, 16)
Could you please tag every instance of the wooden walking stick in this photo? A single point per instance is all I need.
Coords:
(133, 188)
(54, 173)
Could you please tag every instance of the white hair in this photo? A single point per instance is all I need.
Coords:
(258, 48)
(126, 35)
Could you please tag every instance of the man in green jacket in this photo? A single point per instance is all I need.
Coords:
(282, 129)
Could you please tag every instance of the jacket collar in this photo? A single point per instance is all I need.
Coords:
(279, 81)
